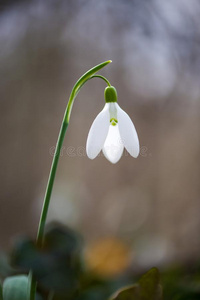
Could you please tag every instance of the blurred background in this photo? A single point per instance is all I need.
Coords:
(148, 207)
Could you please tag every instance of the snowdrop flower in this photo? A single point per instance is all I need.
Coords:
(111, 131)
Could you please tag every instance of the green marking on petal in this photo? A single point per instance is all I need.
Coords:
(113, 121)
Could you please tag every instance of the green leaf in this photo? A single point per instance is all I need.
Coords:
(88, 74)
(16, 288)
(128, 293)
(57, 266)
(80, 82)
(147, 288)
(150, 288)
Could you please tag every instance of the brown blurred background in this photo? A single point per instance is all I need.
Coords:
(152, 204)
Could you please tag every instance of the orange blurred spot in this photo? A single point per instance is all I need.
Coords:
(107, 257)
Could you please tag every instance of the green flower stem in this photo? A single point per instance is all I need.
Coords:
(82, 80)
(33, 285)
(102, 77)
(95, 76)
(50, 183)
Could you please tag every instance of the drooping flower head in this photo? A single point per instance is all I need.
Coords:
(111, 131)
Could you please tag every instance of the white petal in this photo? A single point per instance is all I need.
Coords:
(113, 146)
(128, 132)
(98, 133)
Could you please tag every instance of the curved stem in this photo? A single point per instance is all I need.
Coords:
(102, 77)
(82, 80)
(98, 76)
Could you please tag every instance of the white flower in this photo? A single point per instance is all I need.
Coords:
(111, 131)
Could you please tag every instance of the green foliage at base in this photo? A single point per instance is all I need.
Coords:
(147, 288)
(61, 273)
(16, 288)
